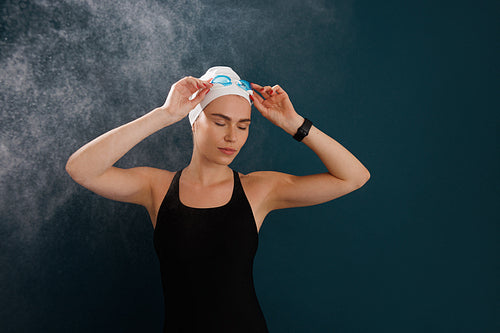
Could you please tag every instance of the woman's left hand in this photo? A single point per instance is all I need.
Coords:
(277, 107)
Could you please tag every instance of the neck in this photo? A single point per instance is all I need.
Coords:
(205, 172)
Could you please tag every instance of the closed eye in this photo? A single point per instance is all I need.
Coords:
(223, 124)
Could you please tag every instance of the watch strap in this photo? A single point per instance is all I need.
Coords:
(303, 130)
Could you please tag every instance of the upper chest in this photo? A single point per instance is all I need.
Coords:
(213, 196)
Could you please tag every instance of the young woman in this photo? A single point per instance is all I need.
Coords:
(206, 217)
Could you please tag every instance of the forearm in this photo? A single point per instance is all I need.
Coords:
(338, 160)
(94, 158)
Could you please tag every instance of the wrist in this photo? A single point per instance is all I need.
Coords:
(164, 116)
(303, 130)
(294, 125)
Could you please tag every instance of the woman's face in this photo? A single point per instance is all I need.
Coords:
(221, 130)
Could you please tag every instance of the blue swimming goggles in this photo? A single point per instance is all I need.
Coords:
(226, 81)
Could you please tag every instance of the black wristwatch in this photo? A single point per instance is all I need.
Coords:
(303, 130)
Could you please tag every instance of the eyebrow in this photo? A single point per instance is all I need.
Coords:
(229, 118)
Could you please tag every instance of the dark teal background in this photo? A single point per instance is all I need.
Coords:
(409, 88)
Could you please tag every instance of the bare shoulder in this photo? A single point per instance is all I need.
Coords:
(264, 179)
(156, 172)
(155, 176)
(159, 180)
(259, 185)
(257, 178)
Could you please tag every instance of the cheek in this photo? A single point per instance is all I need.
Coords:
(208, 133)
(216, 133)
(243, 138)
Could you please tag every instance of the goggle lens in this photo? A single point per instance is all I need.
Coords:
(226, 81)
(244, 84)
(222, 79)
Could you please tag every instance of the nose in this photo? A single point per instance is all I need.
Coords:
(230, 134)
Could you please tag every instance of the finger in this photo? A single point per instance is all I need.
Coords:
(207, 83)
(266, 92)
(204, 83)
(255, 85)
(192, 85)
(262, 90)
(279, 90)
(270, 90)
(195, 84)
(201, 94)
(257, 100)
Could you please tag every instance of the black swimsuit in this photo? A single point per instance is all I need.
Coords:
(206, 261)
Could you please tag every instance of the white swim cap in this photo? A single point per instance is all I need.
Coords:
(218, 90)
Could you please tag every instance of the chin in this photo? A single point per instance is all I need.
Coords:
(224, 163)
(225, 160)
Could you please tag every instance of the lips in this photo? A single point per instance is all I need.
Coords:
(228, 151)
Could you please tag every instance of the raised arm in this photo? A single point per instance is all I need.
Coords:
(92, 165)
(345, 172)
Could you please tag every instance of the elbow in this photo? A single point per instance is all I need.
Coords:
(69, 167)
(367, 177)
(362, 181)
(72, 171)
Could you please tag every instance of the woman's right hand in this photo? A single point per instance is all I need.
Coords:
(178, 103)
